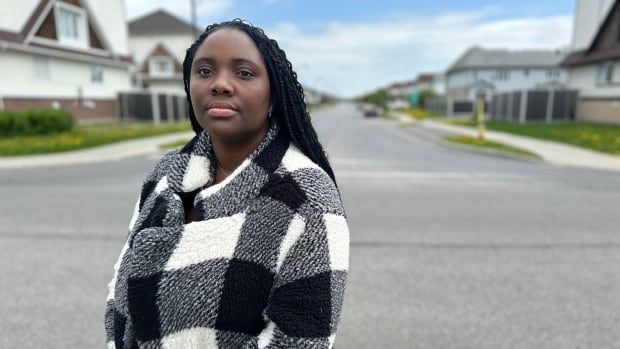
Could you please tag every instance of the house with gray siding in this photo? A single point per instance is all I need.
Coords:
(481, 72)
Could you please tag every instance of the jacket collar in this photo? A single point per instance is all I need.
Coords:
(193, 166)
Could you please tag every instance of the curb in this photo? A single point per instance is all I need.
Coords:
(418, 131)
(554, 153)
(491, 152)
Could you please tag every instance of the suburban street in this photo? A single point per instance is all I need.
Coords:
(449, 248)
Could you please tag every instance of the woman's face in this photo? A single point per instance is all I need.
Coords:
(229, 87)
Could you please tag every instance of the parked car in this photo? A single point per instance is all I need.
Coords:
(370, 110)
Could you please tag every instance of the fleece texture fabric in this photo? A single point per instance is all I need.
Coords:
(263, 266)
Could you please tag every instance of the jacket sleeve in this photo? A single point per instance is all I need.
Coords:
(116, 320)
(306, 300)
(118, 327)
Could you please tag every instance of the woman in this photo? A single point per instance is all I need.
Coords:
(238, 239)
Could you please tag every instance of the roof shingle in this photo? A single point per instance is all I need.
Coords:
(159, 22)
(478, 57)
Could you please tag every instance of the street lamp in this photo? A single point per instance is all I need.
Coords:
(194, 23)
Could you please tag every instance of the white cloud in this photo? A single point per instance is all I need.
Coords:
(352, 58)
(181, 8)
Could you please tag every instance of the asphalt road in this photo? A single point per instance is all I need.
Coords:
(449, 248)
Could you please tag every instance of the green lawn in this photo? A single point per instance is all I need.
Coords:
(476, 142)
(600, 137)
(418, 113)
(85, 137)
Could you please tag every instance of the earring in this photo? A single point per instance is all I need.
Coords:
(269, 115)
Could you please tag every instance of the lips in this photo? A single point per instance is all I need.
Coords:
(221, 105)
(221, 109)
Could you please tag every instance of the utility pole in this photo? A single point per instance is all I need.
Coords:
(194, 24)
(480, 118)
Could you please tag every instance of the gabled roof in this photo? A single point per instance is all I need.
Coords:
(604, 46)
(481, 84)
(480, 58)
(614, 13)
(160, 22)
(161, 51)
(39, 32)
(425, 78)
(422, 78)
(402, 84)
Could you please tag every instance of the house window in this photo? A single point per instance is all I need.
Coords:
(161, 66)
(553, 74)
(41, 68)
(96, 74)
(605, 73)
(502, 75)
(71, 25)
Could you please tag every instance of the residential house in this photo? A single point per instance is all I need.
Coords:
(589, 15)
(595, 69)
(313, 97)
(69, 54)
(158, 42)
(438, 85)
(400, 93)
(480, 73)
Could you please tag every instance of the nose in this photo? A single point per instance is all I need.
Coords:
(221, 85)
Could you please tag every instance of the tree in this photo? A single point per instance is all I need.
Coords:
(378, 98)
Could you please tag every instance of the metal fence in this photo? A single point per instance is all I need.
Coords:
(446, 106)
(153, 106)
(518, 106)
(437, 105)
(534, 105)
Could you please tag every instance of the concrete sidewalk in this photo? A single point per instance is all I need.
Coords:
(111, 152)
(551, 152)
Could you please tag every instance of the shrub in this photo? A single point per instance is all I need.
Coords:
(424, 95)
(34, 122)
(378, 98)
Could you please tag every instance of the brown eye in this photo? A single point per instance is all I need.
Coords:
(245, 74)
(204, 72)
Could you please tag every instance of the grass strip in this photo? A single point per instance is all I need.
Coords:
(419, 113)
(476, 142)
(600, 137)
(172, 145)
(85, 137)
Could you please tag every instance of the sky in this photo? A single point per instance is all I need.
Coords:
(352, 47)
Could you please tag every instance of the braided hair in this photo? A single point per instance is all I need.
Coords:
(289, 108)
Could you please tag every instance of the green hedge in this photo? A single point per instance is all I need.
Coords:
(34, 122)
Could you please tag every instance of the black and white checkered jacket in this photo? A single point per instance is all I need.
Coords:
(263, 266)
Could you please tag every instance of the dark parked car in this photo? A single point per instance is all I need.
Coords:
(370, 110)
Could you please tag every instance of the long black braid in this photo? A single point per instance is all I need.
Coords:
(287, 94)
